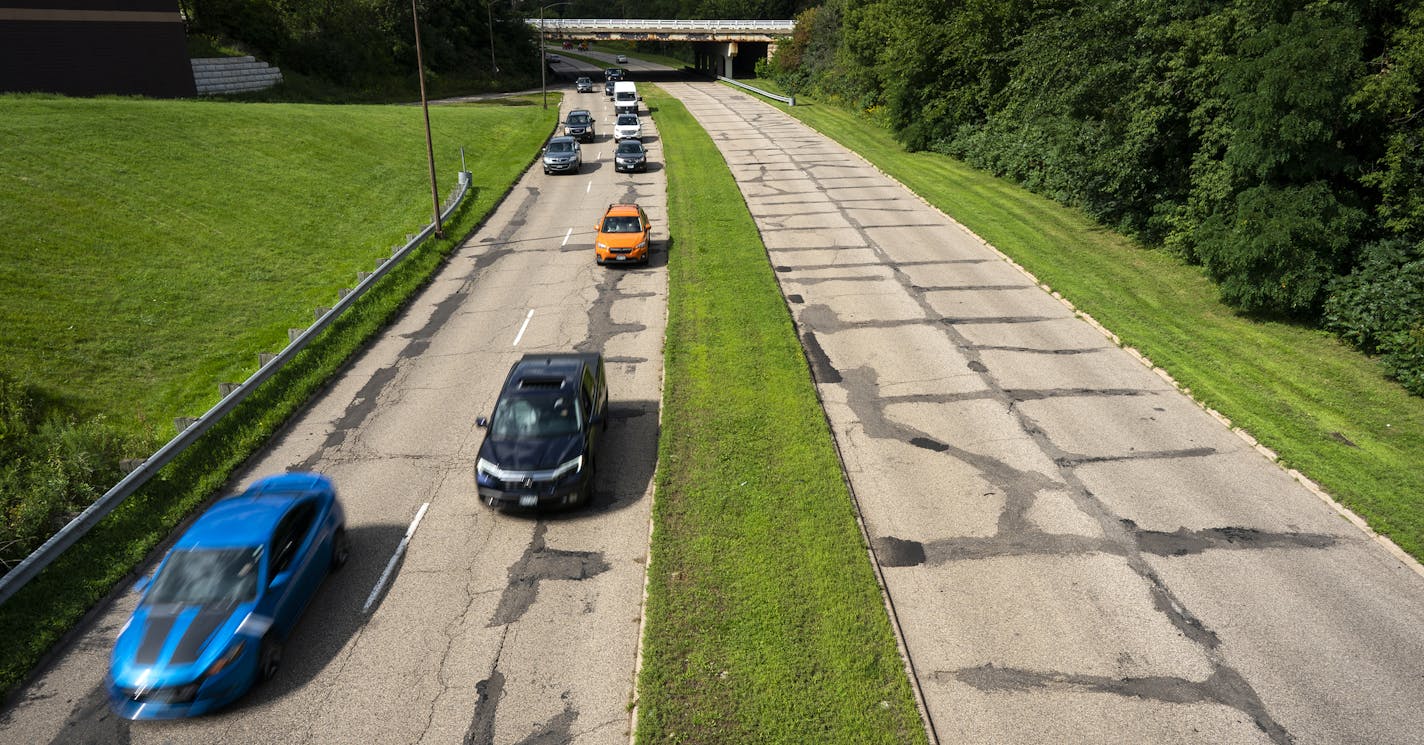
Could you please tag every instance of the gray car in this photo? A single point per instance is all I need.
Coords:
(562, 155)
(584, 84)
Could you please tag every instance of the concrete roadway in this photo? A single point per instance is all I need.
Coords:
(496, 628)
(1074, 551)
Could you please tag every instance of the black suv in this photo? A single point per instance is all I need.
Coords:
(542, 439)
(580, 124)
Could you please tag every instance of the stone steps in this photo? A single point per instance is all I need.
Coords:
(217, 75)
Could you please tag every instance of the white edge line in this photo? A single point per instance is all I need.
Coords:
(520, 335)
(391, 565)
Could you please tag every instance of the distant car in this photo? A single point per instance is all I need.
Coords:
(541, 443)
(630, 156)
(553, 57)
(562, 155)
(615, 74)
(568, 45)
(212, 619)
(624, 235)
(621, 59)
(579, 125)
(608, 87)
(584, 84)
(627, 127)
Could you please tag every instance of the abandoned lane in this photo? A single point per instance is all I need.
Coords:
(1074, 551)
(495, 628)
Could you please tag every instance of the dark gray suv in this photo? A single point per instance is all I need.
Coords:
(580, 124)
(562, 155)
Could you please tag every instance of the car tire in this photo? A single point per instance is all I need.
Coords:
(269, 658)
(340, 549)
(585, 494)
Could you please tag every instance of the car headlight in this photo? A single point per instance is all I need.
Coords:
(642, 244)
(602, 245)
(226, 660)
(486, 468)
(570, 467)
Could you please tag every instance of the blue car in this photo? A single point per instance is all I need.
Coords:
(213, 617)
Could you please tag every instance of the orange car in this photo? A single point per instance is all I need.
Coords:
(625, 235)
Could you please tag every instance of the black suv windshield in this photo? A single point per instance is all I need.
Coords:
(534, 415)
(207, 577)
(579, 119)
(629, 148)
(561, 147)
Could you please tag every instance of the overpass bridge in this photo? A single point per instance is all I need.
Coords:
(720, 47)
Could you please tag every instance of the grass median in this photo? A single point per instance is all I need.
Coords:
(765, 622)
(235, 260)
(1325, 409)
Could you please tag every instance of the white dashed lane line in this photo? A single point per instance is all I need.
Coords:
(520, 335)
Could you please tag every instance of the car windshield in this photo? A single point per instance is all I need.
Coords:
(627, 119)
(561, 147)
(625, 224)
(630, 148)
(207, 577)
(583, 81)
(578, 118)
(533, 416)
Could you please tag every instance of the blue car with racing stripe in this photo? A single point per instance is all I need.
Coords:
(213, 617)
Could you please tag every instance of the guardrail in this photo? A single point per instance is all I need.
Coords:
(67, 536)
(788, 100)
(637, 24)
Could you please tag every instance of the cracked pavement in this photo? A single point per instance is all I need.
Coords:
(1073, 551)
(495, 628)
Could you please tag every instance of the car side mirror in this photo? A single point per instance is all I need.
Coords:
(543, 149)
(481, 422)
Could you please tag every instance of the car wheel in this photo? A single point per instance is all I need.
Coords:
(340, 549)
(269, 660)
(585, 495)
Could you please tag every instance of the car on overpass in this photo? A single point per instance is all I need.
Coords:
(621, 59)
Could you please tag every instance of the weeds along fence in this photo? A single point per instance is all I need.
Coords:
(191, 430)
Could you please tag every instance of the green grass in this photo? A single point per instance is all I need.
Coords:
(765, 623)
(158, 247)
(1298, 390)
(36, 617)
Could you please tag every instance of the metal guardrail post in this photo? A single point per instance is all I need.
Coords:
(67, 536)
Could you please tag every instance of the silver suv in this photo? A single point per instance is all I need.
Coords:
(562, 155)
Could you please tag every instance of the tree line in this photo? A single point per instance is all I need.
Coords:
(355, 42)
(1279, 144)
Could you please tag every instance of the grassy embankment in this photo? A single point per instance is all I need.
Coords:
(154, 248)
(765, 623)
(1326, 410)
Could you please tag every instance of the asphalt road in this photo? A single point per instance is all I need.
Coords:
(496, 628)
(1074, 551)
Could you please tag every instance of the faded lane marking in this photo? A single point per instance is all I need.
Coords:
(391, 565)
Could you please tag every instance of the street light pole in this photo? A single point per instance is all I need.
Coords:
(543, 65)
(425, 107)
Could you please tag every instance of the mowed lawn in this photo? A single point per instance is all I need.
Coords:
(765, 622)
(153, 248)
(1324, 408)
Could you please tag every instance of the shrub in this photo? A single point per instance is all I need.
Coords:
(1379, 308)
(52, 466)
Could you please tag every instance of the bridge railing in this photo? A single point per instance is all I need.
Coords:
(638, 24)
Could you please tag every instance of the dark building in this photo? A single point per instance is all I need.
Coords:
(94, 47)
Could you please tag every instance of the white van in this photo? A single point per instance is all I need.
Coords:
(625, 97)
